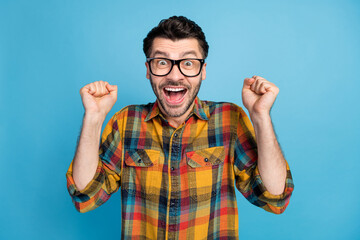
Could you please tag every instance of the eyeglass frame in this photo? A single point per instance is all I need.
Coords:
(176, 62)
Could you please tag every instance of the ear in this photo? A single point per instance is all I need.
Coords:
(147, 70)
(203, 72)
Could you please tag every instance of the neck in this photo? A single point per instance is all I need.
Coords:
(177, 121)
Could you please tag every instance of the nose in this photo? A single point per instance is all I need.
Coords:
(175, 73)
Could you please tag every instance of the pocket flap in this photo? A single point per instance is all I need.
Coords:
(141, 157)
(206, 157)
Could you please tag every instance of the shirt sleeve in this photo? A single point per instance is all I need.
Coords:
(247, 175)
(107, 176)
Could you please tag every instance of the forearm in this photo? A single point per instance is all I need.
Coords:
(271, 162)
(87, 153)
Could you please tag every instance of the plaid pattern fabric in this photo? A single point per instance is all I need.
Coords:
(179, 183)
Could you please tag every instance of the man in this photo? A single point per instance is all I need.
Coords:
(176, 160)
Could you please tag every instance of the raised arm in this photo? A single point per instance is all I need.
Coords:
(98, 98)
(258, 96)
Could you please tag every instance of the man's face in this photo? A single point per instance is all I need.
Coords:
(175, 92)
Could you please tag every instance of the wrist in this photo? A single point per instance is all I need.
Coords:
(94, 118)
(260, 118)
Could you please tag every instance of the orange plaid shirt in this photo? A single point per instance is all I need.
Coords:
(179, 183)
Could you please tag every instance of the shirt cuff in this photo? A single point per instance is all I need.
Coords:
(276, 203)
(91, 188)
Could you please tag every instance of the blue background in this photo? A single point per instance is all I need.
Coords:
(309, 49)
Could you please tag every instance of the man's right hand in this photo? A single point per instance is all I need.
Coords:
(98, 98)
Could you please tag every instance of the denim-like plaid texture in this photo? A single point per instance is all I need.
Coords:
(179, 183)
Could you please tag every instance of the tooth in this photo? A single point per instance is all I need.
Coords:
(174, 89)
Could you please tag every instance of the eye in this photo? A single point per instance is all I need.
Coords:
(188, 63)
(162, 62)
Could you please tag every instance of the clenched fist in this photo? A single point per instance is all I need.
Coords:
(98, 98)
(258, 95)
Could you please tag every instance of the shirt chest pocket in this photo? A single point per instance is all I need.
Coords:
(141, 175)
(205, 169)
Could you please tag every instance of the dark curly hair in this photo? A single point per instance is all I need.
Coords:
(175, 28)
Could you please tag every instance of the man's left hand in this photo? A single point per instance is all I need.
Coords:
(258, 95)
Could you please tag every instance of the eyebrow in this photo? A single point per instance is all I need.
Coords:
(157, 52)
(189, 53)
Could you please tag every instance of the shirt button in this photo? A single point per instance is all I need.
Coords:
(206, 160)
(172, 168)
(175, 135)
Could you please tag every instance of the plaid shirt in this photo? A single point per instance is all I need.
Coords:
(178, 183)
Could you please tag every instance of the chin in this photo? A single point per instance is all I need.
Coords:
(173, 111)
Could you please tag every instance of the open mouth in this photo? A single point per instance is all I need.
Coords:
(174, 95)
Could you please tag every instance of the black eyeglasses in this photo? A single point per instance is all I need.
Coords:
(189, 67)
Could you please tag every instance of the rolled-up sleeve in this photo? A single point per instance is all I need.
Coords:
(107, 177)
(247, 175)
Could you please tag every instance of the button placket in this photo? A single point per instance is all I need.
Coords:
(175, 151)
(174, 202)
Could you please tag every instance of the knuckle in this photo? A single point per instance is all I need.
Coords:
(83, 89)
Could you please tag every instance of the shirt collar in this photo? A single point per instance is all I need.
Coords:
(201, 110)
